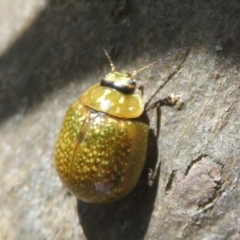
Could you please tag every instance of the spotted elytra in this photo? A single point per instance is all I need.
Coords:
(101, 149)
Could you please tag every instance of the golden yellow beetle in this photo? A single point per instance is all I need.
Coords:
(101, 149)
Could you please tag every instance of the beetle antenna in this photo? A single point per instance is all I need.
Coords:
(135, 72)
(109, 59)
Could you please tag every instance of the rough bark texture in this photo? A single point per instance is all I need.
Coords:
(59, 55)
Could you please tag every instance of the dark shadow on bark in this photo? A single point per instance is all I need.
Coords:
(65, 41)
(125, 219)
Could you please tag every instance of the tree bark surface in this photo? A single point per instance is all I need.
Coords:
(58, 55)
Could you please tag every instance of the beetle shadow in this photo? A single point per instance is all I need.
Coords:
(127, 218)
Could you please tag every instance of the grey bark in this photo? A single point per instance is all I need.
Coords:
(196, 192)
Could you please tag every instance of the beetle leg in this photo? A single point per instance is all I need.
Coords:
(168, 101)
(141, 89)
(151, 175)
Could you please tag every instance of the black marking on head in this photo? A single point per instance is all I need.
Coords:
(126, 87)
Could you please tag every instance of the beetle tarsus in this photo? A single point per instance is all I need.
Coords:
(168, 101)
(150, 177)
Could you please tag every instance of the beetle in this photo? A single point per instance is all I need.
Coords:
(101, 149)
